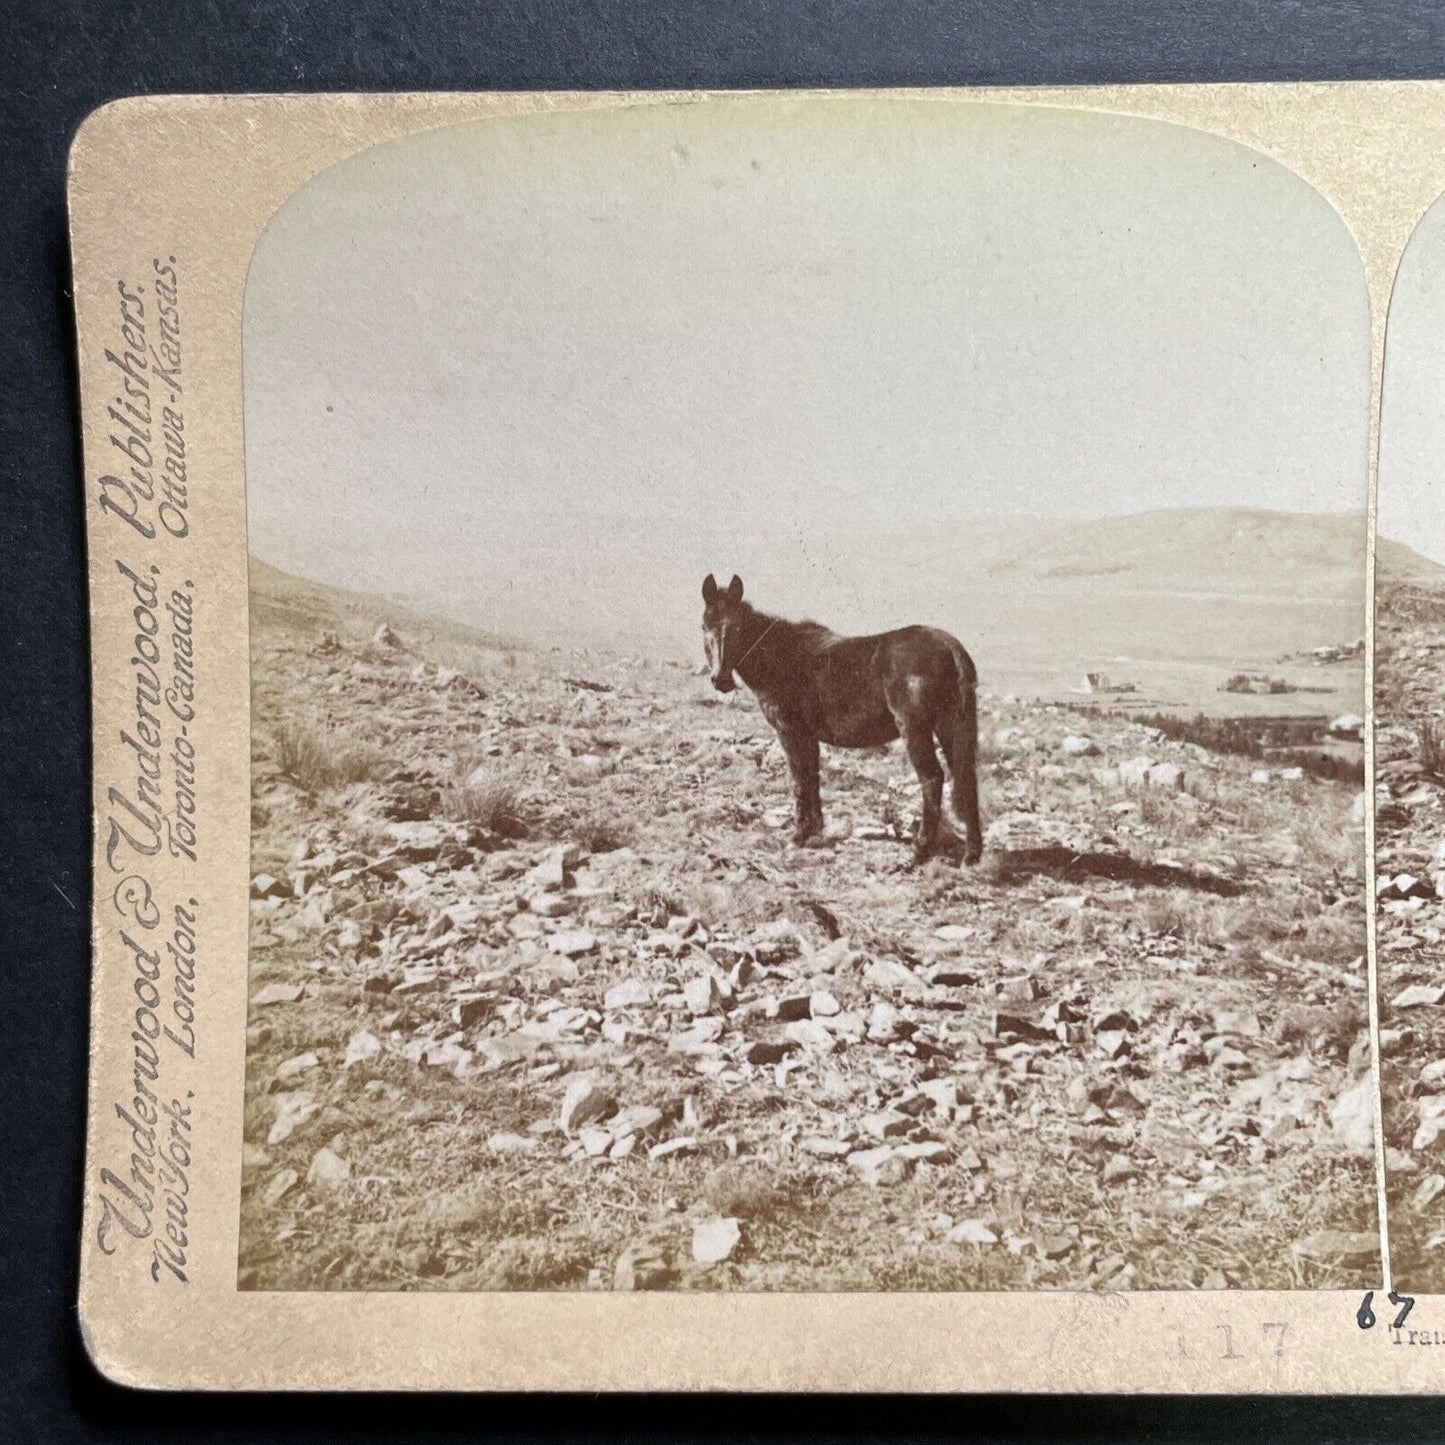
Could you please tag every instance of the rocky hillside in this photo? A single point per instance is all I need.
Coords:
(542, 997)
(1410, 885)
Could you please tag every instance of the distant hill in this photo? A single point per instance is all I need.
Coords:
(1395, 562)
(279, 597)
(1187, 585)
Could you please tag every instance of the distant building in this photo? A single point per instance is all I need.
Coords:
(1097, 682)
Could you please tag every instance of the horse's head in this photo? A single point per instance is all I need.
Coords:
(720, 612)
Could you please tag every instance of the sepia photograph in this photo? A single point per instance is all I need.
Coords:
(1409, 686)
(807, 711)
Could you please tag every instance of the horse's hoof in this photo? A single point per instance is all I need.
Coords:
(972, 855)
(922, 855)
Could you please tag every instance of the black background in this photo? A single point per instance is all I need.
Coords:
(61, 59)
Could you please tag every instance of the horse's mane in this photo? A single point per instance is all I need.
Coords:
(809, 633)
(813, 631)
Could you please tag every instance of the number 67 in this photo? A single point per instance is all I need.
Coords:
(1365, 1316)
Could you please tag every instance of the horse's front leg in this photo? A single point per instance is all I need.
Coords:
(803, 763)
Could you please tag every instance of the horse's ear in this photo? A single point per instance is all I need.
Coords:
(709, 588)
(735, 589)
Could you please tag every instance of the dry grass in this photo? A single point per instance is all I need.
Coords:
(1171, 818)
(1431, 741)
(746, 1191)
(318, 762)
(495, 802)
(740, 905)
(599, 831)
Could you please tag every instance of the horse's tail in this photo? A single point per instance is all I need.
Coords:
(967, 686)
(963, 765)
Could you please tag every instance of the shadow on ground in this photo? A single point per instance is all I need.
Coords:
(1072, 866)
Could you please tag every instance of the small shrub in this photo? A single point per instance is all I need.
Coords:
(316, 761)
(495, 803)
(1282, 742)
(1249, 682)
(597, 832)
(747, 1191)
(890, 814)
(1432, 748)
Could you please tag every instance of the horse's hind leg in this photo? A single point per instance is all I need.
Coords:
(919, 741)
(958, 736)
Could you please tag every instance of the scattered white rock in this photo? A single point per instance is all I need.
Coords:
(635, 1119)
(822, 1004)
(881, 1166)
(955, 932)
(630, 993)
(925, 1151)
(701, 995)
(684, 1144)
(273, 993)
(1432, 1121)
(1418, 995)
(361, 1048)
(811, 1034)
(1403, 886)
(1167, 777)
(328, 1168)
(298, 1064)
(972, 1231)
(1352, 1116)
(279, 1185)
(550, 873)
(292, 1111)
(1135, 770)
(713, 1240)
(507, 1143)
(887, 1124)
(594, 1140)
(1120, 1170)
(885, 1024)
(584, 1101)
(821, 1148)
(942, 1093)
(890, 974)
(846, 1025)
(572, 943)
(1428, 1191)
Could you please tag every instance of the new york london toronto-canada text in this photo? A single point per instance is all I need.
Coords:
(149, 831)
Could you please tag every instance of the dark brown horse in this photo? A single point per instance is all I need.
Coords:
(853, 692)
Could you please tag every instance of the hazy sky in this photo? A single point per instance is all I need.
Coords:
(571, 341)
(1412, 415)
